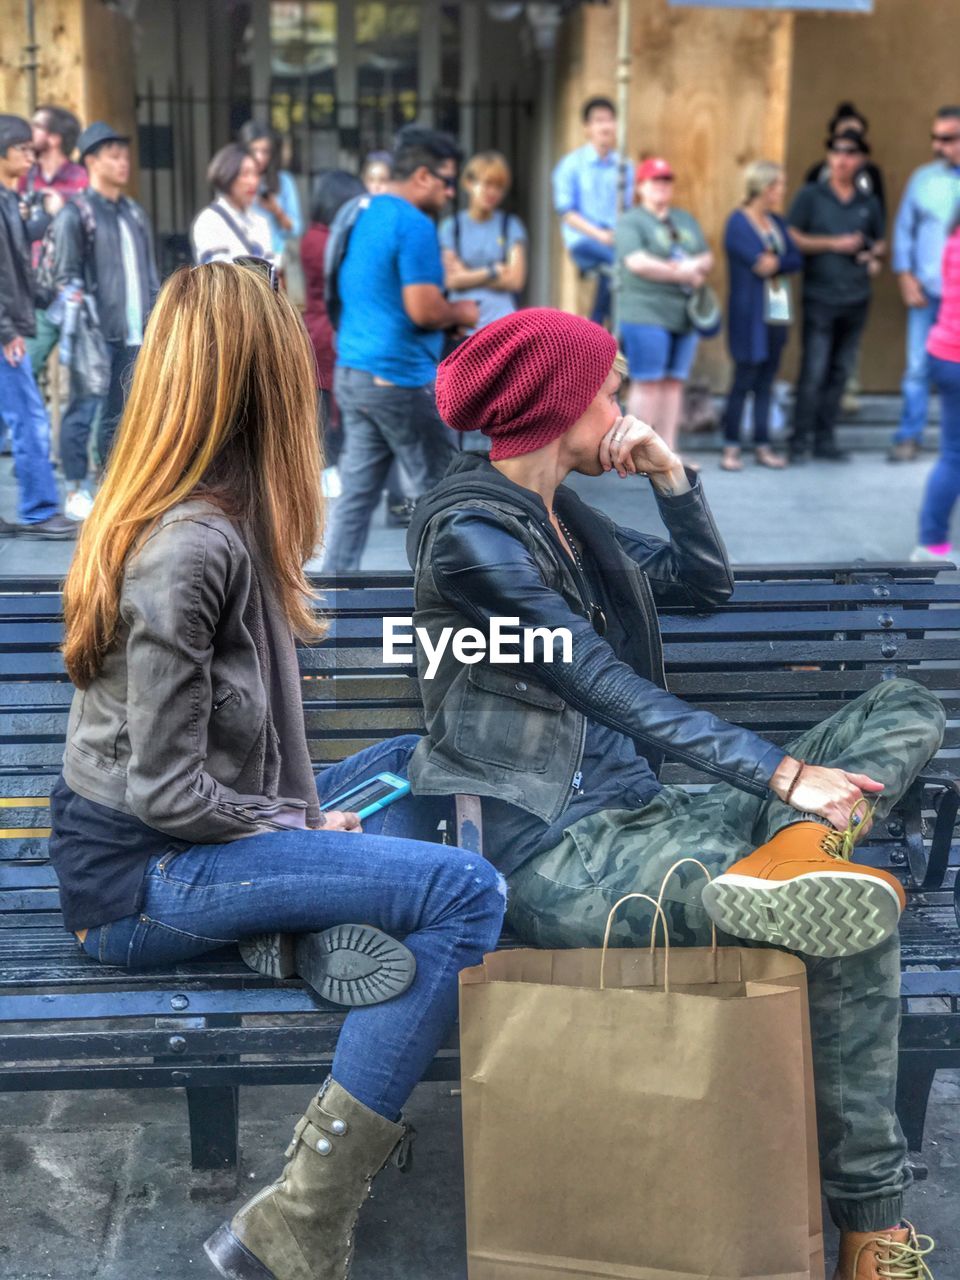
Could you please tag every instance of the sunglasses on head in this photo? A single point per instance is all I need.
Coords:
(263, 268)
(846, 151)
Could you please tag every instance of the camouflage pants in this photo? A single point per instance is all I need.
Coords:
(561, 899)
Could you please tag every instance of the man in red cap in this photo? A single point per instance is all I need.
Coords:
(564, 754)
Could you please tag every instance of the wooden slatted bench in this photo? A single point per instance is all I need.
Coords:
(790, 648)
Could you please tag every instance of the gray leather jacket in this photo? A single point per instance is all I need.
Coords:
(483, 547)
(177, 729)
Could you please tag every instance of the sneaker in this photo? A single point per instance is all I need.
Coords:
(399, 514)
(801, 891)
(904, 451)
(330, 484)
(57, 529)
(8, 530)
(876, 1255)
(921, 555)
(78, 505)
(830, 452)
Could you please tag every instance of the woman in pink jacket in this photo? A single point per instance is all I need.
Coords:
(943, 345)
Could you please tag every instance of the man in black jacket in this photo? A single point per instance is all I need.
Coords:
(564, 753)
(104, 241)
(20, 402)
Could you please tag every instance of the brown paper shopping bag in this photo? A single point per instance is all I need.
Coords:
(652, 1123)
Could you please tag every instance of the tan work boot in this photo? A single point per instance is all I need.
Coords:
(301, 1226)
(801, 891)
(884, 1255)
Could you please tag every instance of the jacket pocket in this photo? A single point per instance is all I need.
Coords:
(507, 719)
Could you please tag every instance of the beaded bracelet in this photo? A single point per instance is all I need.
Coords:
(796, 778)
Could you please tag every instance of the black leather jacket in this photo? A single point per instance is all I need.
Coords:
(102, 269)
(483, 547)
(17, 319)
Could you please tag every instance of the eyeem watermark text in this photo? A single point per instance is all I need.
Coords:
(505, 644)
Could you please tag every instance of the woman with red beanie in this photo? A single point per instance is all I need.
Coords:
(564, 753)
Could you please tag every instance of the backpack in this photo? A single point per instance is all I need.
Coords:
(338, 242)
(45, 277)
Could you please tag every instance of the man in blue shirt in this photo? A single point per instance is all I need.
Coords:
(394, 314)
(931, 196)
(588, 185)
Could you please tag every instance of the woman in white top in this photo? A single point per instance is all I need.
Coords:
(231, 227)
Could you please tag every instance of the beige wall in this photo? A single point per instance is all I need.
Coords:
(710, 91)
(86, 61)
(898, 65)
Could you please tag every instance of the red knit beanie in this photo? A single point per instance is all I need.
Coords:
(525, 379)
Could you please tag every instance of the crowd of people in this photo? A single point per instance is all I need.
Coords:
(412, 277)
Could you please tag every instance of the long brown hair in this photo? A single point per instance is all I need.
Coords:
(223, 405)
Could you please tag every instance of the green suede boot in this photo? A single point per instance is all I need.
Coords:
(301, 1226)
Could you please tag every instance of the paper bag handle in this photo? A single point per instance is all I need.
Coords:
(666, 936)
(713, 928)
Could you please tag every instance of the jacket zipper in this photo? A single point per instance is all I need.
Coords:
(222, 701)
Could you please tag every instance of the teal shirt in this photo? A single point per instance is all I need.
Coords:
(641, 301)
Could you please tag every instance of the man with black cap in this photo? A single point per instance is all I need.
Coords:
(105, 241)
(20, 402)
(839, 229)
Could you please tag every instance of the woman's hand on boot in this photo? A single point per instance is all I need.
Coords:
(832, 794)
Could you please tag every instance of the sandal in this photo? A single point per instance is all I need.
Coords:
(730, 460)
(767, 458)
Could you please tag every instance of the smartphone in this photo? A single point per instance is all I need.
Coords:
(370, 796)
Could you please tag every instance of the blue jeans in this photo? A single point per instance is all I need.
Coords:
(915, 386)
(381, 423)
(25, 414)
(943, 483)
(589, 255)
(758, 379)
(82, 412)
(446, 904)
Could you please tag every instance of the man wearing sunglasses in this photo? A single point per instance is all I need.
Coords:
(929, 202)
(393, 317)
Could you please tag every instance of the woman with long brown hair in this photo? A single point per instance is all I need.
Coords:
(188, 815)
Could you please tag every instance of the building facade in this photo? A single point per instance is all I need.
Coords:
(713, 85)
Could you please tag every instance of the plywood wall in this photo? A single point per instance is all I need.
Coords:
(898, 65)
(86, 61)
(710, 90)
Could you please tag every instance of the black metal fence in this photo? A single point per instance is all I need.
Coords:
(178, 133)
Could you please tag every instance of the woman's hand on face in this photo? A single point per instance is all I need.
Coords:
(340, 820)
(631, 446)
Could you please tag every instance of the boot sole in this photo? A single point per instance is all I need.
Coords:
(233, 1259)
(354, 964)
(351, 964)
(822, 913)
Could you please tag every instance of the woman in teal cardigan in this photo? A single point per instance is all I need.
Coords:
(760, 254)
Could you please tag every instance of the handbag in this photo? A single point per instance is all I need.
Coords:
(91, 363)
(603, 1086)
(777, 294)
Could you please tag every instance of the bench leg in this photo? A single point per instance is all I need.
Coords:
(214, 1123)
(914, 1082)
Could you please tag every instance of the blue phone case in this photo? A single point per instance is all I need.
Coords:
(401, 788)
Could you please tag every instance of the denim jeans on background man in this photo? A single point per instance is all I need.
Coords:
(591, 255)
(381, 423)
(831, 338)
(81, 414)
(943, 483)
(915, 386)
(26, 417)
(446, 904)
